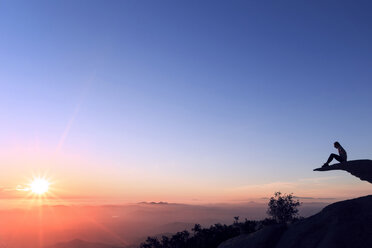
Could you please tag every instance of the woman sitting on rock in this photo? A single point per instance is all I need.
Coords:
(342, 157)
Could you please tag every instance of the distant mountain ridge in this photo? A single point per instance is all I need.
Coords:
(154, 203)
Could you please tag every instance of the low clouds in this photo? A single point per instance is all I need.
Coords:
(22, 188)
(13, 192)
(316, 188)
(6, 189)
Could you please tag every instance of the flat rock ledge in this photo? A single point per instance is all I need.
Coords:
(359, 168)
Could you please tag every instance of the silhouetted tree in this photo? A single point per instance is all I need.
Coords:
(165, 241)
(283, 208)
(197, 228)
(151, 243)
(179, 240)
(248, 226)
(236, 219)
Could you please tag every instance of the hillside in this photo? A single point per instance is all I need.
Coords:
(343, 224)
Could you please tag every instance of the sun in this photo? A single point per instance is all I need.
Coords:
(39, 186)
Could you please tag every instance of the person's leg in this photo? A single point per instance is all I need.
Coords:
(334, 156)
(338, 158)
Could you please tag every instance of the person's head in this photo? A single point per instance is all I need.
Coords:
(336, 144)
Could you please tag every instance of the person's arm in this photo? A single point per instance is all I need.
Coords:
(342, 152)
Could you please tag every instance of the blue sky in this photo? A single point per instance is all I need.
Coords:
(226, 93)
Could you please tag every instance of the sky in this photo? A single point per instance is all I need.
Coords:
(183, 101)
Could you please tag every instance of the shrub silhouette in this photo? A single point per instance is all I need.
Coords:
(203, 237)
(283, 208)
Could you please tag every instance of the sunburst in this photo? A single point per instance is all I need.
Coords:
(39, 186)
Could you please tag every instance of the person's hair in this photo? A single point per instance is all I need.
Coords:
(337, 144)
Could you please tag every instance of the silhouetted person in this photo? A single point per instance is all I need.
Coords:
(342, 157)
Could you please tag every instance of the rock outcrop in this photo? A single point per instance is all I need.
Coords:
(359, 168)
(342, 224)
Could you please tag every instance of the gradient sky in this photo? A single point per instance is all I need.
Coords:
(184, 101)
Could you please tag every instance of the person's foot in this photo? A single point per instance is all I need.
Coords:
(325, 165)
